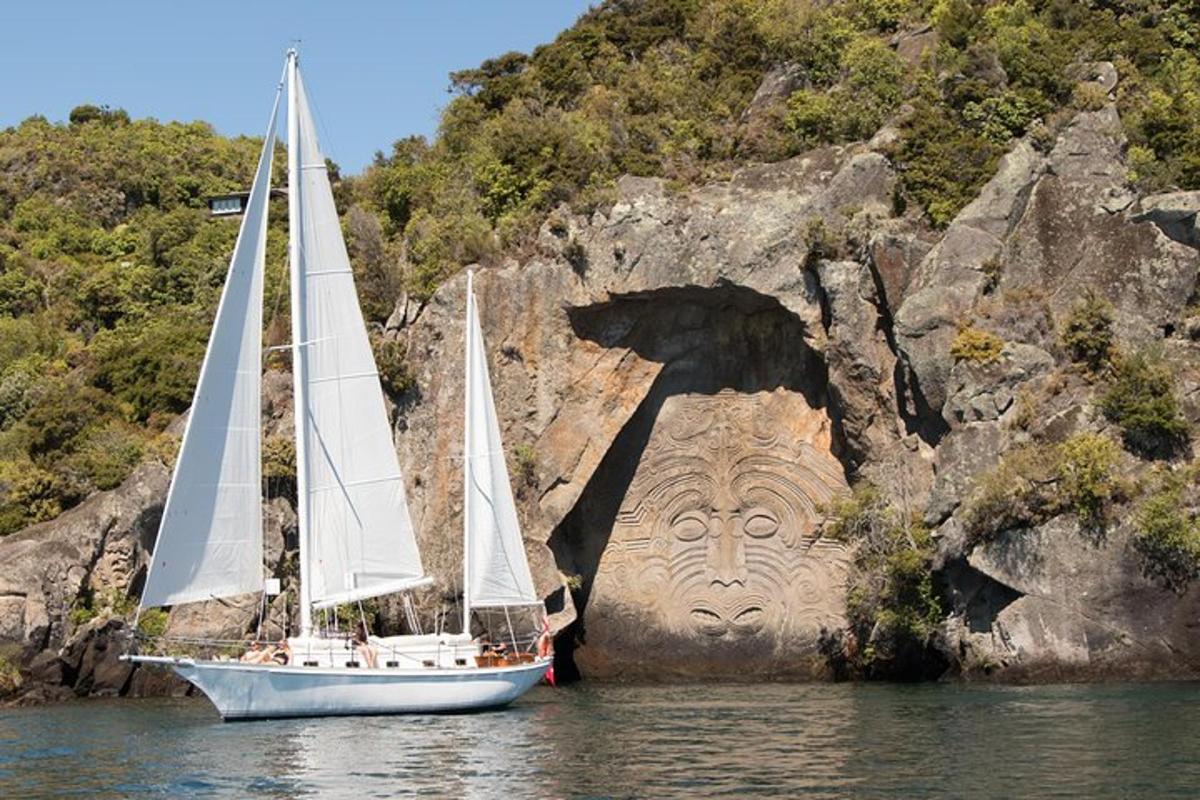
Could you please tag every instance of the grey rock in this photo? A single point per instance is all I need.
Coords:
(777, 85)
(1174, 213)
(1103, 73)
(964, 454)
(1066, 242)
(98, 547)
(951, 278)
(912, 44)
(984, 392)
(1083, 609)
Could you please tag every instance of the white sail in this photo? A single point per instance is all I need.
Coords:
(210, 538)
(497, 572)
(357, 536)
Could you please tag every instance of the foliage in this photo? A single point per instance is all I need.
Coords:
(10, 677)
(153, 622)
(1141, 400)
(943, 162)
(110, 271)
(110, 603)
(1087, 485)
(1033, 483)
(1167, 532)
(1087, 333)
(1017, 493)
(390, 360)
(976, 345)
(526, 460)
(279, 465)
(893, 608)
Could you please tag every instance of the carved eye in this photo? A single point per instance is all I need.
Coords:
(761, 523)
(690, 526)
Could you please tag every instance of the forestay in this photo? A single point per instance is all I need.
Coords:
(210, 539)
(360, 536)
(496, 567)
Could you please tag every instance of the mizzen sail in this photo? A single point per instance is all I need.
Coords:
(497, 572)
(357, 536)
(210, 539)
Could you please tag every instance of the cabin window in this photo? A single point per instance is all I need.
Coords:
(460, 662)
(351, 663)
(393, 663)
(427, 663)
(310, 663)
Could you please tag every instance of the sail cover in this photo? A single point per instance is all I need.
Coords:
(360, 535)
(210, 539)
(497, 570)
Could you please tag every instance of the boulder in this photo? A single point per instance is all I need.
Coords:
(97, 548)
(1081, 610)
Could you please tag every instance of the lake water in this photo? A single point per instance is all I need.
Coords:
(861, 741)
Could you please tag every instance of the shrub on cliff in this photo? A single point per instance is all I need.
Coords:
(1167, 532)
(1036, 482)
(1141, 400)
(1017, 493)
(392, 363)
(1087, 333)
(1087, 483)
(10, 678)
(976, 345)
(892, 606)
(152, 622)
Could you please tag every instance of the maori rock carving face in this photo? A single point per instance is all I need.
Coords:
(716, 535)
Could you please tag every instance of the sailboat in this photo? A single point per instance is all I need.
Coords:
(356, 538)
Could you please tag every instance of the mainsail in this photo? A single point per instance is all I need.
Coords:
(210, 539)
(497, 573)
(356, 534)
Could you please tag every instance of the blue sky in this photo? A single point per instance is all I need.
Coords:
(376, 71)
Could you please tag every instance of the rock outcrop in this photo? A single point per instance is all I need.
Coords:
(699, 374)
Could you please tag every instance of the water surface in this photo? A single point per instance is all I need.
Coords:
(861, 741)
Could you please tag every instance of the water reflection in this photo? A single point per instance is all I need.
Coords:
(650, 741)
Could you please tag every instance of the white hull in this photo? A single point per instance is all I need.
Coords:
(253, 691)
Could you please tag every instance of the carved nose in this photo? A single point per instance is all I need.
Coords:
(726, 556)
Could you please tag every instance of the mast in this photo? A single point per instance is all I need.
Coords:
(299, 338)
(466, 592)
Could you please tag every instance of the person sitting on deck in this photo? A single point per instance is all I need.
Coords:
(362, 646)
(258, 654)
(282, 654)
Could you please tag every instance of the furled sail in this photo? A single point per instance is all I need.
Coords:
(496, 568)
(358, 536)
(210, 538)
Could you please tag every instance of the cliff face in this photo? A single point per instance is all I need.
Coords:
(699, 375)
